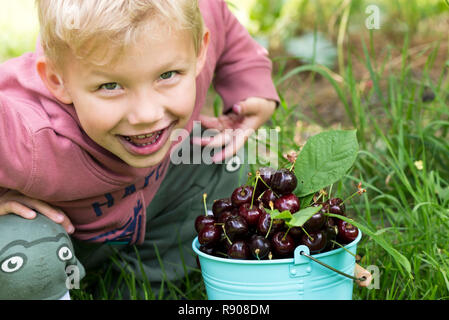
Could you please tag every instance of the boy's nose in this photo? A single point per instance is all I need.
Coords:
(145, 110)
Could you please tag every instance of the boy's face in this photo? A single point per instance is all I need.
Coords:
(131, 108)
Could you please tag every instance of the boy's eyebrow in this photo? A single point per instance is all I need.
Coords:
(179, 64)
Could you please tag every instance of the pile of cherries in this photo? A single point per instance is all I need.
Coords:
(241, 228)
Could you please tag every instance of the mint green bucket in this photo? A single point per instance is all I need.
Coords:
(324, 276)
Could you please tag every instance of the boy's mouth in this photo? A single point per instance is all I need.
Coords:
(147, 143)
(144, 139)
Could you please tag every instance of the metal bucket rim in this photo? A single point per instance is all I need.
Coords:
(195, 247)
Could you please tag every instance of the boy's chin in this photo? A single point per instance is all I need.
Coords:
(147, 161)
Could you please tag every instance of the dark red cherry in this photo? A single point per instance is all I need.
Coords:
(331, 232)
(242, 195)
(265, 174)
(220, 206)
(259, 247)
(346, 232)
(288, 202)
(296, 233)
(315, 241)
(209, 235)
(226, 214)
(264, 225)
(282, 244)
(283, 181)
(268, 196)
(202, 221)
(239, 250)
(317, 221)
(236, 227)
(336, 206)
(250, 213)
(207, 250)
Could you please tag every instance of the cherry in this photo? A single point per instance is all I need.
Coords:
(346, 232)
(209, 235)
(202, 221)
(259, 246)
(236, 227)
(268, 196)
(315, 241)
(207, 250)
(317, 221)
(264, 225)
(296, 233)
(331, 232)
(250, 213)
(265, 174)
(283, 181)
(241, 195)
(226, 214)
(220, 206)
(288, 202)
(336, 206)
(239, 250)
(283, 244)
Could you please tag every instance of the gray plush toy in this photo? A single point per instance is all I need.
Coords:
(37, 260)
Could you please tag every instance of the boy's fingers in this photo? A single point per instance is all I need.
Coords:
(50, 212)
(17, 208)
(238, 141)
(212, 142)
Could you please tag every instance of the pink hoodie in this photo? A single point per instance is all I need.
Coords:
(45, 154)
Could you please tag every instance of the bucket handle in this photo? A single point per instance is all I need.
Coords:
(303, 253)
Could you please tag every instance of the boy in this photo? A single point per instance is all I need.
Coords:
(86, 122)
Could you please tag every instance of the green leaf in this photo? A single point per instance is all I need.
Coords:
(325, 159)
(398, 257)
(300, 217)
(275, 214)
(306, 200)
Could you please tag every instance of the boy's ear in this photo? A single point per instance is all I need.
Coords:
(202, 54)
(52, 80)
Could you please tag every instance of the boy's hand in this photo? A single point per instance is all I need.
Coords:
(236, 127)
(16, 203)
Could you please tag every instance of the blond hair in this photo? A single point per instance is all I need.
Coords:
(84, 26)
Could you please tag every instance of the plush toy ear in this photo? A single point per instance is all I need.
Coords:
(52, 80)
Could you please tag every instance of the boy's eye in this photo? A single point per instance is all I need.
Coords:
(167, 75)
(110, 86)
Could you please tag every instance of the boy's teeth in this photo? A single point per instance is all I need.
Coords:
(149, 138)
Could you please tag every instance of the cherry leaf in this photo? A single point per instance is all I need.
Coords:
(300, 217)
(275, 214)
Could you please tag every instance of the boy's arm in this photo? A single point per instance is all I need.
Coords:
(243, 80)
(243, 68)
(16, 148)
(17, 167)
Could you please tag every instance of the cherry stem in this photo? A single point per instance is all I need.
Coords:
(269, 228)
(226, 236)
(204, 201)
(283, 238)
(351, 196)
(266, 185)
(310, 237)
(254, 188)
(257, 253)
